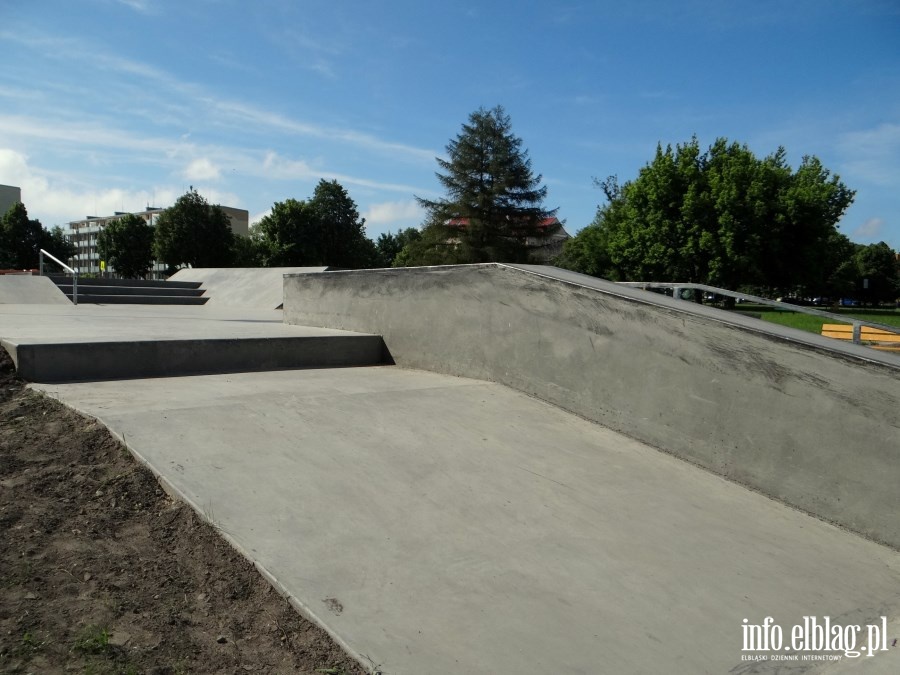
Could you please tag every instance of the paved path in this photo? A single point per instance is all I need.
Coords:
(444, 525)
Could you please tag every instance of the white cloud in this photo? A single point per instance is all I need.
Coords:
(81, 134)
(202, 169)
(873, 154)
(142, 6)
(275, 166)
(870, 229)
(214, 109)
(56, 200)
(393, 212)
(248, 115)
(282, 168)
(259, 216)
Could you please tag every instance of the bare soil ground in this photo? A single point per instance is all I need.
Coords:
(102, 572)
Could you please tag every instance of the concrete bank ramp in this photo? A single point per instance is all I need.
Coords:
(801, 418)
(440, 525)
(25, 289)
(249, 287)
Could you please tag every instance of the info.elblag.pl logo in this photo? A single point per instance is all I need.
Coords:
(813, 640)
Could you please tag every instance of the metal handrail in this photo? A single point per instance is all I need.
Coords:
(65, 267)
(677, 287)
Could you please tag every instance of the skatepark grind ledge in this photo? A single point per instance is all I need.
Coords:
(790, 414)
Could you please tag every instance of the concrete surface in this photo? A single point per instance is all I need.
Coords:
(797, 416)
(464, 527)
(90, 342)
(251, 287)
(25, 289)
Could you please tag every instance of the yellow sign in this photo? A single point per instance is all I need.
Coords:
(102, 265)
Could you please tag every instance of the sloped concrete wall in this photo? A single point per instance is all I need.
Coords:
(248, 287)
(787, 413)
(25, 289)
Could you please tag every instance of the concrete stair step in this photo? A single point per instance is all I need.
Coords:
(137, 299)
(82, 281)
(99, 360)
(131, 290)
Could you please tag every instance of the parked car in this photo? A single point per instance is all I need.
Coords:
(803, 302)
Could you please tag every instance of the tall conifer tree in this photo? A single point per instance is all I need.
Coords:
(494, 202)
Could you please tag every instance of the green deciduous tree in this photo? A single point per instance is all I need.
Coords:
(247, 250)
(56, 243)
(20, 239)
(389, 245)
(493, 202)
(192, 232)
(127, 245)
(721, 217)
(287, 234)
(343, 237)
(838, 270)
(878, 273)
(325, 230)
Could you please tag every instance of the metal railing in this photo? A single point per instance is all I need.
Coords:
(65, 267)
(678, 287)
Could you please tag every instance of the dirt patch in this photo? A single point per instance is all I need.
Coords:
(102, 572)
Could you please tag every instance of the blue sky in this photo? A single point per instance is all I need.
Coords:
(111, 105)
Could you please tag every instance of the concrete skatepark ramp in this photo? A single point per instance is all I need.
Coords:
(220, 287)
(25, 289)
(788, 413)
(442, 524)
(254, 288)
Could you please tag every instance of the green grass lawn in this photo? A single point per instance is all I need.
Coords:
(813, 324)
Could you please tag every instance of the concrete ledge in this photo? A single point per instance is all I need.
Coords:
(791, 414)
(91, 361)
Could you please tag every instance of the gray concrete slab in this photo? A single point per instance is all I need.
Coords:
(90, 342)
(463, 527)
(252, 287)
(16, 289)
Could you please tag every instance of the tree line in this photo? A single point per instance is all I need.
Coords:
(493, 212)
(726, 218)
(720, 216)
(324, 230)
(22, 238)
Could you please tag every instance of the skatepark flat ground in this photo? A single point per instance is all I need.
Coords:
(443, 525)
(24, 323)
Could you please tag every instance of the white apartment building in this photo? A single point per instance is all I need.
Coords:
(9, 195)
(83, 233)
